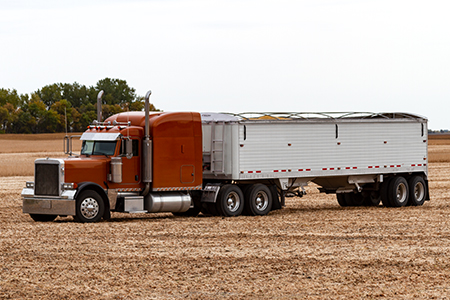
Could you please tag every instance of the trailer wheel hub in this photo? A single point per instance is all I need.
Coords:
(262, 201)
(401, 193)
(233, 201)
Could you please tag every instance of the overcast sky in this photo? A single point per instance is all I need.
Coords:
(239, 55)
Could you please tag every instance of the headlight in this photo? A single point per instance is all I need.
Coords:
(69, 186)
(30, 185)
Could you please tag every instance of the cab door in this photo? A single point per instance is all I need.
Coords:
(131, 167)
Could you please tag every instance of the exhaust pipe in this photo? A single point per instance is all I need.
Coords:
(147, 113)
(147, 148)
(99, 106)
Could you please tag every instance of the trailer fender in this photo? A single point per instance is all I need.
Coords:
(95, 187)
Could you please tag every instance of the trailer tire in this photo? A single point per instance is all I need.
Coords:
(398, 192)
(43, 218)
(384, 193)
(258, 200)
(354, 199)
(89, 207)
(417, 191)
(230, 201)
(341, 199)
(373, 199)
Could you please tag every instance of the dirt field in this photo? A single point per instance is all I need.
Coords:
(312, 249)
(18, 151)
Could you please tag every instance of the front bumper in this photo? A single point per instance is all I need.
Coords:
(63, 205)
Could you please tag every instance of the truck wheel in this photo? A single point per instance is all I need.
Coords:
(417, 190)
(398, 192)
(43, 218)
(373, 199)
(354, 199)
(341, 199)
(258, 200)
(384, 192)
(89, 207)
(230, 201)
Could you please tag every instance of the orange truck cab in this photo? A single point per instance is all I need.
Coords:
(120, 168)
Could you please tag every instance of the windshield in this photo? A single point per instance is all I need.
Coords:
(98, 148)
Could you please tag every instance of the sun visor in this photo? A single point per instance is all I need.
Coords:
(98, 136)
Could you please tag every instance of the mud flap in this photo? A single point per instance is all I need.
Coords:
(276, 204)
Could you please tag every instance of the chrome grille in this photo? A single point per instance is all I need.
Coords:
(46, 179)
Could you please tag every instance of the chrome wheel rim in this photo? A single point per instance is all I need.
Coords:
(233, 201)
(419, 191)
(261, 201)
(89, 208)
(401, 193)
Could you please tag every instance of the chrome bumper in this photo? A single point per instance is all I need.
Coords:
(64, 205)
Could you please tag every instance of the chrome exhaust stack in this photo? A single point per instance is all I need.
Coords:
(147, 148)
(99, 106)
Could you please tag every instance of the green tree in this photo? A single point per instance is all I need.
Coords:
(88, 114)
(4, 115)
(50, 94)
(109, 110)
(37, 109)
(47, 109)
(50, 121)
(76, 94)
(116, 91)
(24, 123)
(64, 110)
(11, 96)
(10, 117)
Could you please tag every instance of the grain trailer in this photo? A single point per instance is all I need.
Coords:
(231, 164)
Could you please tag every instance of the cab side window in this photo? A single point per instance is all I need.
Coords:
(135, 147)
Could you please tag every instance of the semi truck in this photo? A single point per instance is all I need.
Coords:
(231, 164)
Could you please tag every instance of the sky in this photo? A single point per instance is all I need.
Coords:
(239, 55)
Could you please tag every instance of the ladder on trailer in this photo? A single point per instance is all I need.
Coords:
(217, 147)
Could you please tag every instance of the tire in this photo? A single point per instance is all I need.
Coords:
(258, 200)
(341, 199)
(89, 207)
(230, 201)
(384, 192)
(43, 218)
(210, 209)
(417, 191)
(373, 199)
(398, 192)
(355, 199)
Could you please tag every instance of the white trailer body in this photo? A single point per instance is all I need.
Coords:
(339, 152)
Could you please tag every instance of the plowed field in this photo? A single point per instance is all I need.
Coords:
(311, 249)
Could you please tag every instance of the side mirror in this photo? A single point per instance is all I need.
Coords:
(129, 148)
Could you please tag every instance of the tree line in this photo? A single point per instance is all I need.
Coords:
(63, 106)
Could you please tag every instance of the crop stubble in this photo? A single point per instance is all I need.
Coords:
(311, 249)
